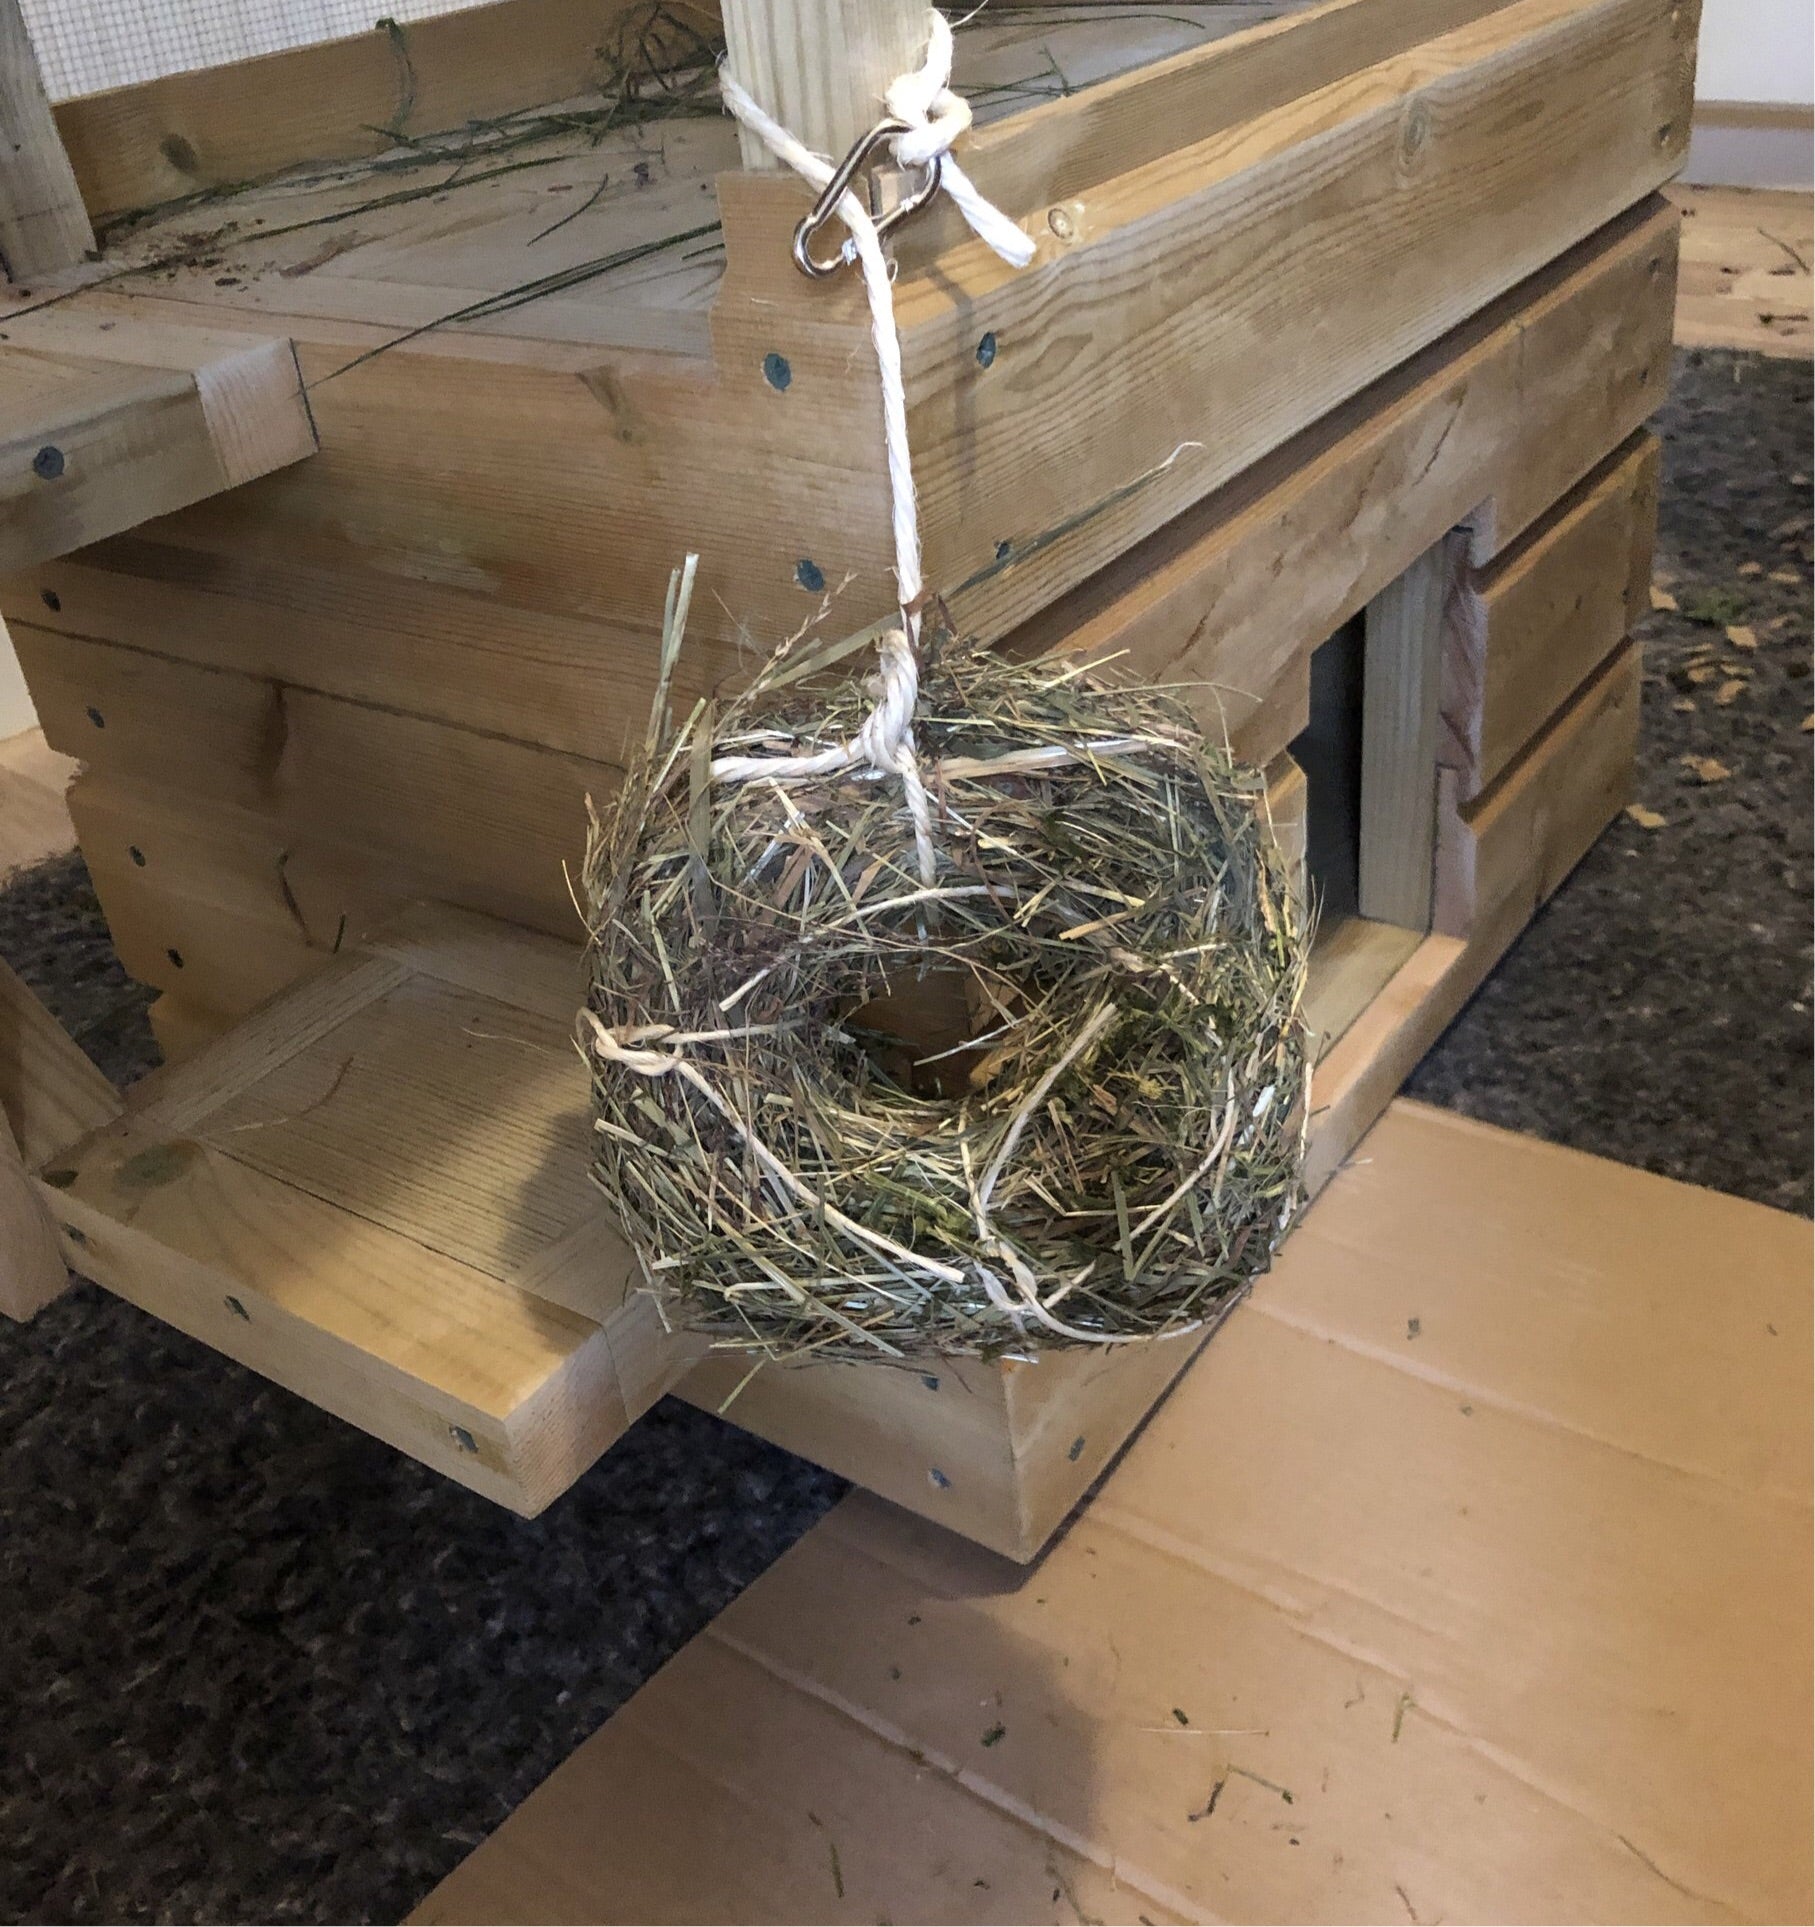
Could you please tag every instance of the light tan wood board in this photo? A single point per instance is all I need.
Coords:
(1525, 632)
(347, 1192)
(1401, 1608)
(34, 806)
(91, 444)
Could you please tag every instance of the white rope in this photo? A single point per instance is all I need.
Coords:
(936, 118)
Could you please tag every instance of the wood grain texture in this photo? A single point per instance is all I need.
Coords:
(1527, 631)
(43, 224)
(1347, 230)
(820, 67)
(1498, 861)
(50, 1093)
(244, 910)
(90, 446)
(1404, 651)
(336, 100)
(1747, 260)
(492, 821)
(347, 1193)
(32, 1271)
(1490, 427)
(34, 807)
(1522, 130)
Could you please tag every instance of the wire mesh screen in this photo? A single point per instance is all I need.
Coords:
(86, 46)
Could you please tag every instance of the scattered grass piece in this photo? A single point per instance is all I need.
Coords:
(1272, 1786)
(995, 1733)
(1741, 637)
(1729, 692)
(1706, 769)
(1209, 1807)
(1662, 598)
(1406, 1703)
(1644, 818)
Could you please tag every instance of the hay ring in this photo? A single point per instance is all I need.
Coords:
(1056, 1099)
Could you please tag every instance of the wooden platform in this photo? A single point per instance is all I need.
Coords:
(1401, 1609)
(374, 1191)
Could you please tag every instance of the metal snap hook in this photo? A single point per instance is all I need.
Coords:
(826, 207)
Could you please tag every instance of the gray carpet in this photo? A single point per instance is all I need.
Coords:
(260, 1668)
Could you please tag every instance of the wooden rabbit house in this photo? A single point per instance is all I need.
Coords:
(357, 402)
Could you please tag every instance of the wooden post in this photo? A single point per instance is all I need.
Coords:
(1400, 692)
(50, 1095)
(43, 224)
(32, 1271)
(819, 66)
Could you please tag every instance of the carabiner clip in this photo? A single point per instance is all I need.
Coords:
(826, 207)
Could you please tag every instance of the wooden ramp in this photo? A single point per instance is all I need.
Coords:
(1466, 1576)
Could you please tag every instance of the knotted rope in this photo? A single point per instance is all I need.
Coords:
(936, 117)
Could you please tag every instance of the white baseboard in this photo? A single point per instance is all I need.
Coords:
(1740, 144)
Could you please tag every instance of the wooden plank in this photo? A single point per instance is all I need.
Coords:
(183, 1028)
(432, 648)
(1497, 863)
(90, 446)
(1746, 279)
(1528, 631)
(1062, 149)
(1352, 962)
(50, 1093)
(1510, 848)
(820, 67)
(366, 1190)
(489, 821)
(1404, 647)
(43, 225)
(336, 100)
(1491, 426)
(211, 903)
(444, 1363)
(34, 808)
(32, 1271)
(1479, 157)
